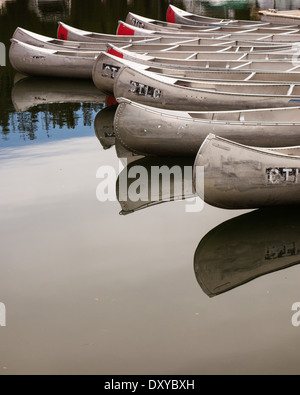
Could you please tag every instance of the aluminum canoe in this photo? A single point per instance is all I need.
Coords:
(70, 33)
(161, 26)
(171, 93)
(107, 67)
(132, 34)
(91, 38)
(238, 176)
(275, 37)
(192, 63)
(179, 16)
(41, 41)
(31, 60)
(153, 131)
(187, 46)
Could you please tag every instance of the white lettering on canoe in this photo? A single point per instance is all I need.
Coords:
(144, 90)
(110, 71)
(2, 314)
(283, 175)
(296, 316)
(137, 23)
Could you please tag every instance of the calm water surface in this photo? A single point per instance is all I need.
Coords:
(88, 291)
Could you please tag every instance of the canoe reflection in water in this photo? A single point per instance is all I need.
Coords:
(247, 247)
(30, 92)
(105, 132)
(145, 181)
(104, 126)
(151, 181)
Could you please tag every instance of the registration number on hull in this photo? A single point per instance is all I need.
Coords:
(283, 175)
(110, 71)
(137, 23)
(144, 90)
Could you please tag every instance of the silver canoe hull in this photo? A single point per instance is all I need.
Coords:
(41, 41)
(174, 94)
(161, 26)
(242, 177)
(176, 15)
(107, 67)
(66, 32)
(170, 60)
(30, 60)
(147, 46)
(275, 37)
(150, 131)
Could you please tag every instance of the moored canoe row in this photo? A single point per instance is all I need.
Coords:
(177, 84)
(72, 63)
(147, 46)
(162, 44)
(226, 174)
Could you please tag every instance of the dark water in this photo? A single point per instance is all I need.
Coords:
(88, 291)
